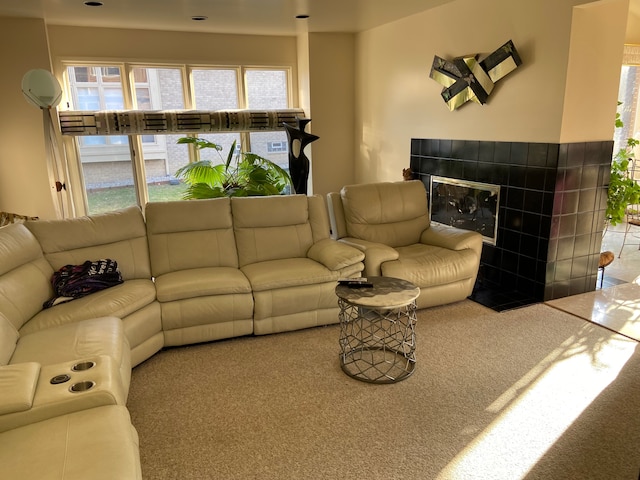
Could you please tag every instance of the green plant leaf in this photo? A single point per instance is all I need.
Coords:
(244, 174)
(623, 189)
(202, 190)
(202, 172)
(230, 154)
(199, 143)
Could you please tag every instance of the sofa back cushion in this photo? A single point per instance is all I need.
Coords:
(336, 215)
(120, 235)
(394, 214)
(271, 228)
(25, 275)
(190, 234)
(8, 339)
(318, 218)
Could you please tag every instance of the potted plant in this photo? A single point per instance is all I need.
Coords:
(241, 174)
(623, 188)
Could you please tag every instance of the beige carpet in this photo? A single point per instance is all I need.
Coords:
(533, 393)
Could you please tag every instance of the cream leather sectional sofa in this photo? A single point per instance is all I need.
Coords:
(193, 271)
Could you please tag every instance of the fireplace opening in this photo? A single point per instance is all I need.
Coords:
(464, 204)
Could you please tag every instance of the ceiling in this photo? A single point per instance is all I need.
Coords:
(260, 17)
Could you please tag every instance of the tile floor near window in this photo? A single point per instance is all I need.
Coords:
(627, 267)
(616, 305)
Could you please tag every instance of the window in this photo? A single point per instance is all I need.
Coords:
(118, 170)
(267, 88)
(628, 109)
(217, 89)
(160, 89)
(97, 89)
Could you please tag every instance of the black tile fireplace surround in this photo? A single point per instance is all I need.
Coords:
(553, 199)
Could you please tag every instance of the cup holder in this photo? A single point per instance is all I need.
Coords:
(81, 386)
(58, 379)
(82, 366)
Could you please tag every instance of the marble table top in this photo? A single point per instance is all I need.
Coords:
(387, 292)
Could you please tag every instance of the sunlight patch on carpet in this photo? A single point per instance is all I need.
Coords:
(625, 313)
(535, 412)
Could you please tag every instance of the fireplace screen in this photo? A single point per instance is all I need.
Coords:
(463, 204)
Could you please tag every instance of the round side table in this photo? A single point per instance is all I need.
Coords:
(377, 330)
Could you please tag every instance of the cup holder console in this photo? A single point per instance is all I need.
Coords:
(67, 387)
(81, 386)
(82, 366)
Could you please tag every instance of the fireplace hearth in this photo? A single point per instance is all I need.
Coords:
(550, 217)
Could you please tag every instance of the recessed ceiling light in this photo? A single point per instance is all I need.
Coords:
(93, 4)
(199, 18)
(302, 16)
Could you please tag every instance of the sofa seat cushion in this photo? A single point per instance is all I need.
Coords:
(76, 341)
(428, 265)
(201, 282)
(98, 443)
(97, 336)
(289, 272)
(118, 301)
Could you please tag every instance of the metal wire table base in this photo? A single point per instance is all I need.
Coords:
(377, 345)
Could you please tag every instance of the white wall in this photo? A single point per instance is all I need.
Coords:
(326, 69)
(24, 183)
(633, 23)
(397, 101)
(595, 57)
(332, 77)
(174, 47)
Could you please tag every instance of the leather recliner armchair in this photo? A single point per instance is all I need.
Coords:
(390, 223)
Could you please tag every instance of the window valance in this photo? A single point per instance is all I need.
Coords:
(145, 122)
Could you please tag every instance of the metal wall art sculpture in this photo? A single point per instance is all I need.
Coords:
(465, 78)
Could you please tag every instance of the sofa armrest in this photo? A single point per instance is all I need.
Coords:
(452, 238)
(334, 255)
(18, 386)
(375, 254)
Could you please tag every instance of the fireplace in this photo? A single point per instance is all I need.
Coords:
(465, 204)
(550, 216)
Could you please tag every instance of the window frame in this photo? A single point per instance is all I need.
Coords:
(126, 68)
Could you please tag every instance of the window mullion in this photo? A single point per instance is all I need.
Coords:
(76, 178)
(189, 103)
(128, 86)
(242, 87)
(188, 90)
(245, 138)
(135, 144)
(139, 171)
